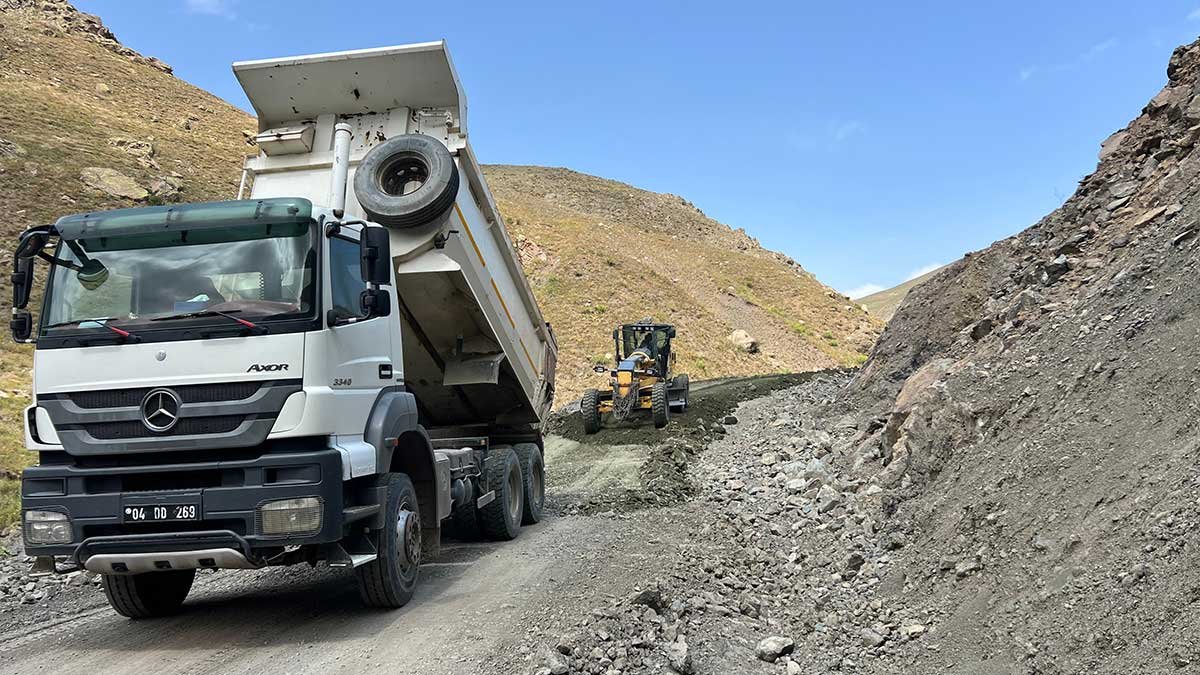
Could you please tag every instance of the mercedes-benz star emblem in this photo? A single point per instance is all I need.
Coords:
(160, 410)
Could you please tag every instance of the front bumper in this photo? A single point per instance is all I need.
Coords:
(227, 494)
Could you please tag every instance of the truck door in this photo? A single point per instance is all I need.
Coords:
(360, 353)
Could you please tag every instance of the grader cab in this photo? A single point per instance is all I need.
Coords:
(641, 380)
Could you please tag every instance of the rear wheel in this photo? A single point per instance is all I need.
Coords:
(390, 580)
(660, 404)
(590, 409)
(534, 479)
(141, 596)
(500, 519)
(680, 383)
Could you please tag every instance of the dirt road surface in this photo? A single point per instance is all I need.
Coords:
(298, 620)
(478, 605)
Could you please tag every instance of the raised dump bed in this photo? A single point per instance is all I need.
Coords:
(476, 347)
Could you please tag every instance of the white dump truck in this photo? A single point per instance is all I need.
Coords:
(328, 370)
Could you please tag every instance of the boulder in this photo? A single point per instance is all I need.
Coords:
(742, 340)
(166, 188)
(113, 183)
(769, 649)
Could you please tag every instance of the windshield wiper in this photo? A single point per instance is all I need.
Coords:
(102, 323)
(212, 312)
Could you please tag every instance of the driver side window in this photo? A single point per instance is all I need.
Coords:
(345, 277)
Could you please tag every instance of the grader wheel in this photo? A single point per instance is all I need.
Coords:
(660, 405)
(590, 409)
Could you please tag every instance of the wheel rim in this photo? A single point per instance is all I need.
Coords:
(403, 176)
(408, 539)
(514, 495)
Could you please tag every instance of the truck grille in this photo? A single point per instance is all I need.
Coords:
(218, 415)
(218, 424)
(194, 393)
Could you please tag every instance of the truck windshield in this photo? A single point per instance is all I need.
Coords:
(258, 271)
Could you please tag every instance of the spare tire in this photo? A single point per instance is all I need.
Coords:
(406, 181)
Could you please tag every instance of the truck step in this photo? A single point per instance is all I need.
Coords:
(362, 552)
(354, 560)
(353, 513)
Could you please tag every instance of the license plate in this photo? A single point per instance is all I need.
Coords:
(157, 513)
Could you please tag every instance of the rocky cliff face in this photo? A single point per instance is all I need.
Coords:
(60, 17)
(1032, 420)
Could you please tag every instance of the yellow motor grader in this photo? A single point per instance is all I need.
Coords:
(641, 379)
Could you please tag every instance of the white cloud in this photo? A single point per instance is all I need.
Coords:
(923, 270)
(840, 131)
(1088, 55)
(1194, 15)
(836, 131)
(221, 8)
(863, 291)
(1098, 49)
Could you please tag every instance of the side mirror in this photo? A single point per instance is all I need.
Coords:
(599, 369)
(615, 337)
(30, 244)
(22, 281)
(375, 255)
(375, 302)
(671, 332)
(21, 325)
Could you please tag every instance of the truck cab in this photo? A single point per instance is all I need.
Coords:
(311, 374)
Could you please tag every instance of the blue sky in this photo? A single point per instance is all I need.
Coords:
(869, 141)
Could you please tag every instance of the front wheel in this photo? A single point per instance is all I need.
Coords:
(589, 407)
(142, 596)
(390, 580)
(660, 405)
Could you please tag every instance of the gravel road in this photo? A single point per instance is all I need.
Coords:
(478, 609)
(470, 606)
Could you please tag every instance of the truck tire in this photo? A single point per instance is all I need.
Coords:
(533, 478)
(141, 596)
(464, 523)
(589, 407)
(500, 519)
(406, 181)
(390, 580)
(660, 404)
(682, 382)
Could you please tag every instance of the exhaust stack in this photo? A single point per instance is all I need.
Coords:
(342, 134)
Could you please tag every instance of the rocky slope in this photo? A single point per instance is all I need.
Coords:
(1008, 485)
(1032, 439)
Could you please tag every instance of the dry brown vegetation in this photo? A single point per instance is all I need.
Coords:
(883, 305)
(599, 253)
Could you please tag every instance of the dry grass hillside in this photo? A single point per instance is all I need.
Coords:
(86, 124)
(599, 253)
(883, 305)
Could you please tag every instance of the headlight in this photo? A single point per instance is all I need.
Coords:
(47, 527)
(290, 516)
